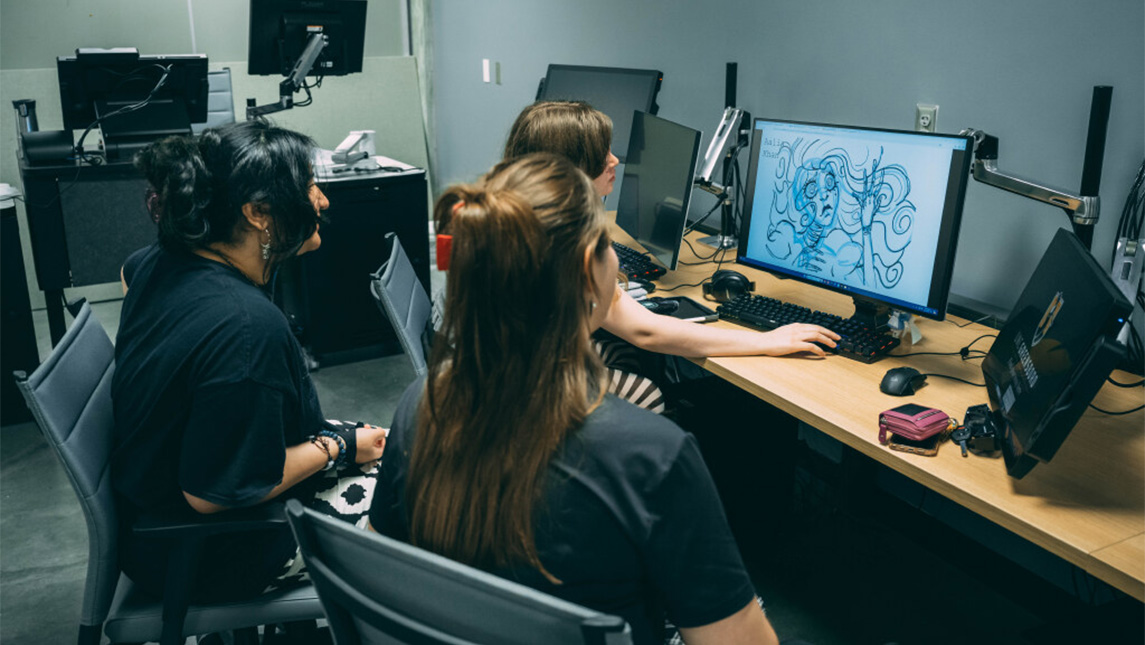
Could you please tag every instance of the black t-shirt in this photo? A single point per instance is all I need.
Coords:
(630, 521)
(209, 389)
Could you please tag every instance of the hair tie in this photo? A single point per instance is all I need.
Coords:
(445, 242)
(444, 248)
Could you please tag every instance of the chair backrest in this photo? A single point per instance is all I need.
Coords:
(70, 398)
(220, 100)
(404, 301)
(378, 590)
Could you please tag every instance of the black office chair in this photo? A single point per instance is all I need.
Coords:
(70, 398)
(378, 590)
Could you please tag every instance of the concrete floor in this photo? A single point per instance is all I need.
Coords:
(833, 572)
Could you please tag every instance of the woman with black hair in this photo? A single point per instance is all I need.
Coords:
(214, 407)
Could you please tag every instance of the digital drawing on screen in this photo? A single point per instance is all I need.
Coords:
(844, 213)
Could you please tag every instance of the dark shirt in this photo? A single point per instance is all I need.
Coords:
(630, 521)
(209, 389)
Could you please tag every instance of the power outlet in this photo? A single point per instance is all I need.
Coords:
(925, 117)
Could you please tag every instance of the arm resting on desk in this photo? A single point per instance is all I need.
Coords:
(629, 320)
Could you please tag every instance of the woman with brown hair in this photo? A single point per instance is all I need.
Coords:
(511, 457)
(583, 135)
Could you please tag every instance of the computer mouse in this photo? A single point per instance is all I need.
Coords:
(902, 381)
(660, 306)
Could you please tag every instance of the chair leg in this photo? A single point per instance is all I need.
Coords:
(177, 589)
(90, 634)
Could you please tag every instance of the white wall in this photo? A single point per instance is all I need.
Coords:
(1021, 70)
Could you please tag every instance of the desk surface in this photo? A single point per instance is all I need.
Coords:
(1087, 505)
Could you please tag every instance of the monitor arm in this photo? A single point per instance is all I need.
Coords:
(732, 135)
(294, 81)
(1083, 208)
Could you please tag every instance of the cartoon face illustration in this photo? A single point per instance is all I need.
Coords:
(840, 212)
(817, 195)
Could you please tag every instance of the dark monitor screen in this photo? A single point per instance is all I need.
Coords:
(1054, 352)
(280, 29)
(95, 85)
(867, 212)
(616, 92)
(657, 185)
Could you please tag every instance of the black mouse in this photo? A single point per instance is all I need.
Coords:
(902, 381)
(660, 306)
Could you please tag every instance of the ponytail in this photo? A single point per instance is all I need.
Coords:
(512, 371)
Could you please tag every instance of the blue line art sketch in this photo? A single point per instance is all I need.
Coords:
(840, 213)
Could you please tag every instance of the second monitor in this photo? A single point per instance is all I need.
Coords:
(657, 185)
(871, 213)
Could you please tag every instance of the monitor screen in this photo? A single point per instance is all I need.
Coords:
(94, 85)
(657, 185)
(1054, 352)
(867, 212)
(616, 92)
(279, 30)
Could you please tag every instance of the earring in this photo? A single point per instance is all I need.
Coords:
(592, 307)
(266, 245)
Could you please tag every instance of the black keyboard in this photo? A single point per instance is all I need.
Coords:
(637, 265)
(858, 341)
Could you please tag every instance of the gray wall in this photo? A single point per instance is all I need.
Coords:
(384, 97)
(1022, 70)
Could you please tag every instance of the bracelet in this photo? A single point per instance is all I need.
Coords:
(324, 448)
(344, 455)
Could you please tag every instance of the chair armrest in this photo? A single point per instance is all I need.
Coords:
(189, 524)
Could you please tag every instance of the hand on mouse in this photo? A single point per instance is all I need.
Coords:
(798, 337)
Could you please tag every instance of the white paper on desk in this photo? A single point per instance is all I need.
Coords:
(324, 166)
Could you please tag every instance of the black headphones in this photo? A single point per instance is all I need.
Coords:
(727, 285)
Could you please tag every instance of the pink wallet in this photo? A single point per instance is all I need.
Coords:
(913, 422)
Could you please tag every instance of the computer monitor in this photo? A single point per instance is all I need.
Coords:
(134, 99)
(1054, 353)
(280, 30)
(868, 212)
(657, 185)
(615, 91)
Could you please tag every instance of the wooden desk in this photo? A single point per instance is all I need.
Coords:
(1087, 505)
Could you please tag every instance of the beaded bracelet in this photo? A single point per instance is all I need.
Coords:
(324, 448)
(343, 454)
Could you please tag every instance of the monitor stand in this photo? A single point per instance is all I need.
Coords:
(871, 313)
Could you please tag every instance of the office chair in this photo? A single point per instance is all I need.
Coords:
(70, 398)
(378, 590)
(220, 100)
(404, 301)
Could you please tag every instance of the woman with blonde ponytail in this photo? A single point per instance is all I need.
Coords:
(511, 456)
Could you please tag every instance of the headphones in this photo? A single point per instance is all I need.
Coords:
(727, 285)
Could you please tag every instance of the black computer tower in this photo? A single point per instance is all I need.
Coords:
(326, 293)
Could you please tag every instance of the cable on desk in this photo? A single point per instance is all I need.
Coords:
(955, 378)
(966, 352)
(1117, 414)
(696, 223)
(706, 259)
(681, 286)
